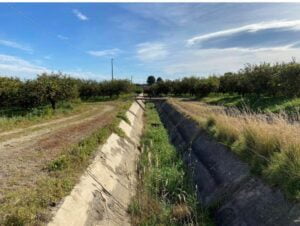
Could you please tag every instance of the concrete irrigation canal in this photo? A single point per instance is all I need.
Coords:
(224, 183)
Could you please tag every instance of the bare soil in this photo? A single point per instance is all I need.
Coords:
(24, 152)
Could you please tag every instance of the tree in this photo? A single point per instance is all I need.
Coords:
(151, 80)
(159, 79)
(207, 85)
(30, 95)
(56, 87)
(9, 91)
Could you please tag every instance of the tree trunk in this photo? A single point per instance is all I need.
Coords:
(53, 104)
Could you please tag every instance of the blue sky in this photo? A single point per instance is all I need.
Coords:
(167, 40)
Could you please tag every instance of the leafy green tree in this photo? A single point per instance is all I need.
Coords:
(290, 80)
(9, 91)
(151, 80)
(159, 79)
(206, 86)
(56, 87)
(89, 88)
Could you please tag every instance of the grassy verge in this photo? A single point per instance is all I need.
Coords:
(270, 145)
(32, 206)
(254, 103)
(12, 118)
(165, 194)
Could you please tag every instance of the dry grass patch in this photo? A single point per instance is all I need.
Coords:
(270, 143)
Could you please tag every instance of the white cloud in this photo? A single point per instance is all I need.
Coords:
(62, 37)
(15, 66)
(171, 14)
(80, 15)
(81, 74)
(15, 45)
(151, 51)
(104, 53)
(290, 25)
(217, 61)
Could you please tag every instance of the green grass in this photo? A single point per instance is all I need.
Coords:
(255, 103)
(32, 206)
(63, 106)
(165, 194)
(16, 117)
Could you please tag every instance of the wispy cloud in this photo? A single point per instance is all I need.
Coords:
(80, 15)
(203, 62)
(62, 37)
(104, 53)
(15, 66)
(151, 51)
(15, 45)
(289, 25)
(83, 74)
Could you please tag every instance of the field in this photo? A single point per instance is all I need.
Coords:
(42, 157)
(268, 143)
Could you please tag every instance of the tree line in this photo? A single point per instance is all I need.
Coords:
(280, 79)
(55, 87)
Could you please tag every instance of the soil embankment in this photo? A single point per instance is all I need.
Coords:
(104, 191)
(223, 181)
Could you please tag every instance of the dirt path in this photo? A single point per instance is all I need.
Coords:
(25, 152)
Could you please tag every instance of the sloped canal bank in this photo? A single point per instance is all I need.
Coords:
(224, 183)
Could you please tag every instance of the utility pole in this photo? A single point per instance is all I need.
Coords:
(112, 69)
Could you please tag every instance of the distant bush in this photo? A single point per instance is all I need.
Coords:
(89, 88)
